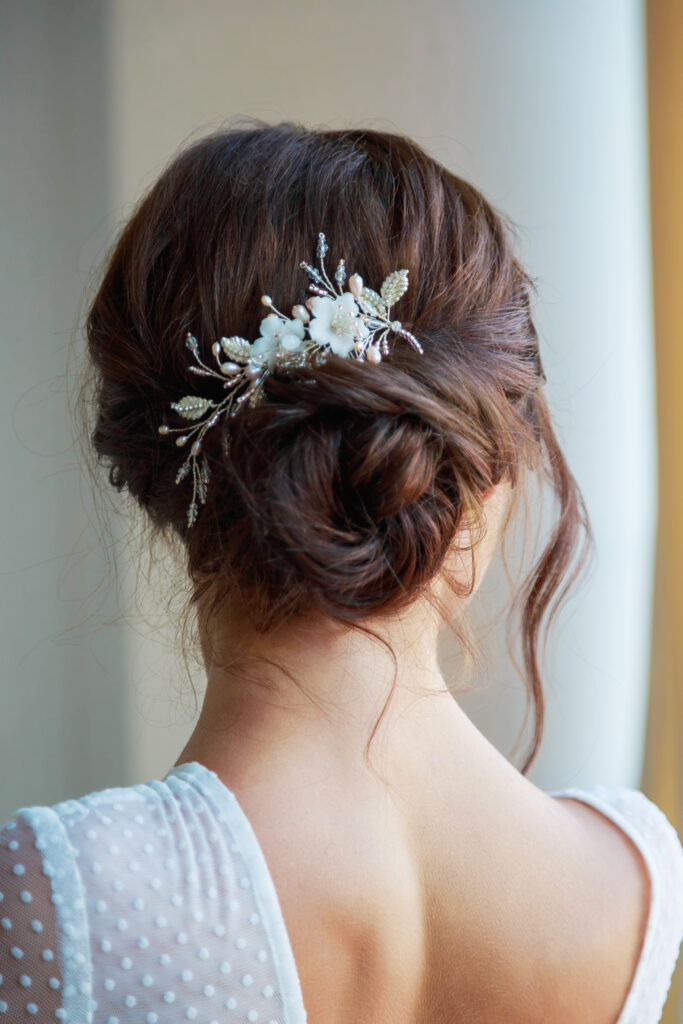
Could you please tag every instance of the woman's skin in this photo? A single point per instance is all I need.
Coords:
(435, 884)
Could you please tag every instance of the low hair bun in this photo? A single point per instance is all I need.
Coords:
(335, 480)
(390, 465)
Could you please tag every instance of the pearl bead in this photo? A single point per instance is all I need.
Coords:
(181, 440)
(309, 302)
(373, 354)
(266, 300)
(355, 285)
(216, 348)
(396, 325)
(252, 371)
(163, 429)
(229, 367)
(195, 447)
(301, 313)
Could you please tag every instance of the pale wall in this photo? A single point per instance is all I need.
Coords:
(62, 728)
(541, 105)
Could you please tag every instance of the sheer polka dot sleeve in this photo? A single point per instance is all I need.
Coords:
(44, 949)
(144, 904)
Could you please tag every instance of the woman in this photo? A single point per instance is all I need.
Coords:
(337, 842)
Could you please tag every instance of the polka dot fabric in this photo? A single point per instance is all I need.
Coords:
(153, 904)
(36, 949)
(149, 904)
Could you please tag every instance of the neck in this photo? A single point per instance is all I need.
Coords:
(317, 688)
(317, 691)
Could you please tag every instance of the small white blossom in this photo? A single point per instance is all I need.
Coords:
(335, 322)
(277, 333)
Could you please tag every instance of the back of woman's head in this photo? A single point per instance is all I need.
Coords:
(342, 498)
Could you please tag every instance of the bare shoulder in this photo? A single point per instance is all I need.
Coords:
(616, 908)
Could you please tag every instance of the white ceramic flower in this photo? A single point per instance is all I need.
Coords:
(335, 322)
(276, 332)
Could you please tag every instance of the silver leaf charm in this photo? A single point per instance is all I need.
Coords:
(237, 348)
(372, 303)
(394, 286)
(191, 407)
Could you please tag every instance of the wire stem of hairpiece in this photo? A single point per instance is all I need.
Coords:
(322, 249)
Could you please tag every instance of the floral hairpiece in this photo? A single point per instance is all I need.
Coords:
(334, 324)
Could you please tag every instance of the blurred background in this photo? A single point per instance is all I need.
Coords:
(569, 117)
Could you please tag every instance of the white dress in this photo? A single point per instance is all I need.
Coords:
(153, 904)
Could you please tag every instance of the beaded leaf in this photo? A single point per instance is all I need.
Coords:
(191, 407)
(372, 303)
(394, 286)
(237, 348)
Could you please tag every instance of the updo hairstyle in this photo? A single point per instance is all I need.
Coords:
(340, 499)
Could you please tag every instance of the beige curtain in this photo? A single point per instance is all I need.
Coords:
(663, 772)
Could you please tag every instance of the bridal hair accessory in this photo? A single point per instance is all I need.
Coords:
(334, 324)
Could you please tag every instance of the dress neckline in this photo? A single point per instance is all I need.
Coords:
(229, 811)
(593, 798)
(226, 802)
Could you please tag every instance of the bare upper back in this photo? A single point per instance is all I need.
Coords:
(430, 903)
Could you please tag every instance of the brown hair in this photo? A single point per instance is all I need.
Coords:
(341, 499)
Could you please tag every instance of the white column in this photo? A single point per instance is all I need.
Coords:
(61, 683)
